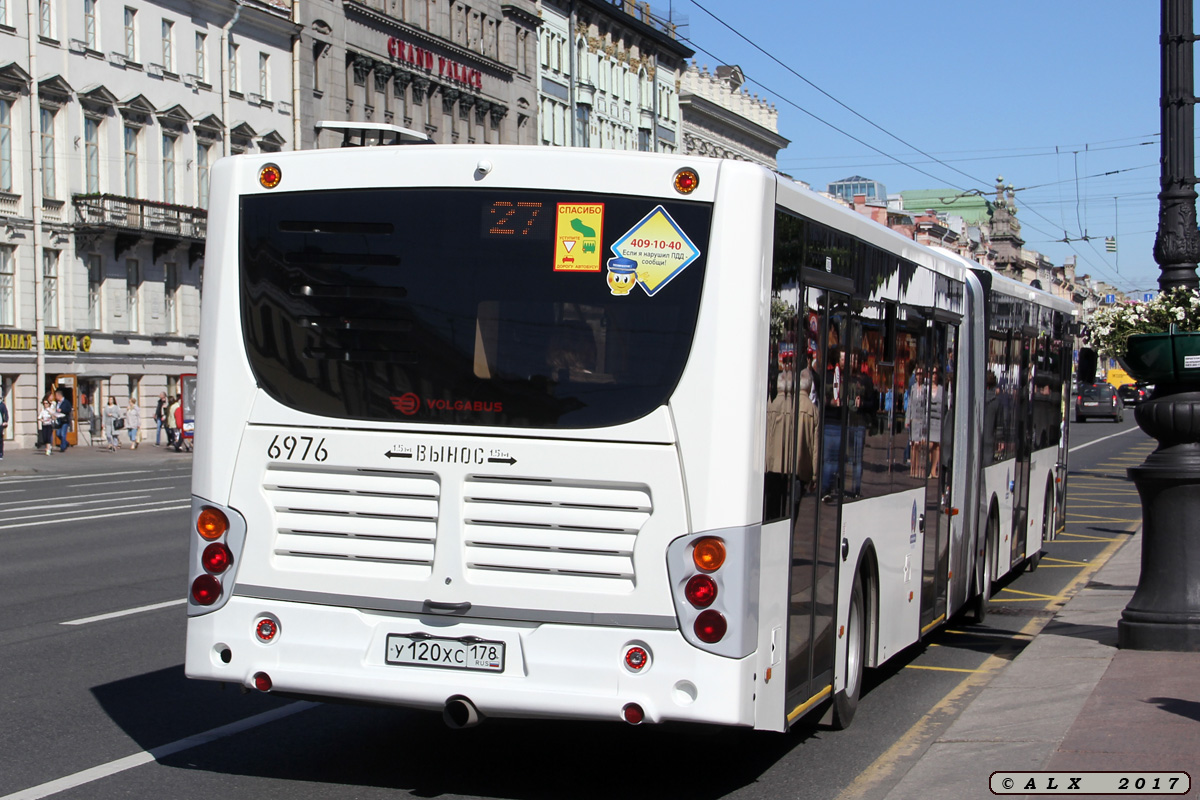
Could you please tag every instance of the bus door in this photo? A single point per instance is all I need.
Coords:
(817, 507)
(940, 363)
(1021, 344)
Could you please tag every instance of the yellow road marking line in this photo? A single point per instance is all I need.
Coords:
(913, 741)
(946, 669)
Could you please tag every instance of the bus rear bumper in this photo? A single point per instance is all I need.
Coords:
(550, 670)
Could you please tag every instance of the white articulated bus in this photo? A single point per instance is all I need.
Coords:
(515, 431)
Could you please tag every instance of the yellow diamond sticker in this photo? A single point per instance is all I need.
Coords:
(659, 247)
(578, 228)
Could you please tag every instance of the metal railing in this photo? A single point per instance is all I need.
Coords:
(143, 216)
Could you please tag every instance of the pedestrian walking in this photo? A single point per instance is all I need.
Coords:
(160, 419)
(133, 422)
(174, 435)
(62, 413)
(113, 416)
(3, 422)
(46, 424)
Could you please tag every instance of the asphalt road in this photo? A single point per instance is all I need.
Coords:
(95, 705)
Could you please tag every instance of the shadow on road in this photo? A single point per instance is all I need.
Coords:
(398, 749)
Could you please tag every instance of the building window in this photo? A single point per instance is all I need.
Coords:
(48, 174)
(133, 280)
(130, 34)
(201, 58)
(645, 142)
(264, 76)
(168, 45)
(202, 150)
(95, 269)
(91, 154)
(168, 153)
(8, 288)
(170, 294)
(6, 165)
(233, 67)
(50, 287)
(89, 24)
(3, 12)
(45, 19)
(583, 126)
(131, 161)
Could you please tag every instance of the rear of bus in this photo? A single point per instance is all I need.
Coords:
(474, 432)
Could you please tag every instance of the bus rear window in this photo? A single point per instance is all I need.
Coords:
(460, 306)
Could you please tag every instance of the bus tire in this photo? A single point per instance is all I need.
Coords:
(979, 609)
(1049, 506)
(845, 702)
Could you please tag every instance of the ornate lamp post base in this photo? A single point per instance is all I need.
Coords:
(1164, 613)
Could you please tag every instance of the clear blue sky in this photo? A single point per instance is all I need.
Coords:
(1051, 94)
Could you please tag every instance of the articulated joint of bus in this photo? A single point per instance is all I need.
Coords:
(714, 583)
(215, 548)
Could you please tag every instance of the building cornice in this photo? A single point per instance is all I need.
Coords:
(705, 108)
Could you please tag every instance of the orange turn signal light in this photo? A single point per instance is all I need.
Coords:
(211, 523)
(709, 553)
(686, 180)
(270, 175)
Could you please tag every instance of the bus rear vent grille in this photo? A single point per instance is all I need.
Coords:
(553, 534)
(366, 516)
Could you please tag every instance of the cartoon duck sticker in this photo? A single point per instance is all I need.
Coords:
(622, 275)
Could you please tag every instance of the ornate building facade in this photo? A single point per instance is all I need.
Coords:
(458, 72)
(723, 120)
(609, 76)
(111, 115)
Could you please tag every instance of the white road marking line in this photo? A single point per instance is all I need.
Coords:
(84, 478)
(108, 494)
(1101, 439)
(154, 754)
(126, 612)
(60, 509)
(43, 521)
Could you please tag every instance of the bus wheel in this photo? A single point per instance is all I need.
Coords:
(1049, 519)
(1033, 561)
(845, 703)
(979, 610)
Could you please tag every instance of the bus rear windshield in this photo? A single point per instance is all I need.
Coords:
(510, 308)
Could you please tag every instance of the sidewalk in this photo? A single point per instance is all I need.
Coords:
(1072, 701)
(85, 460)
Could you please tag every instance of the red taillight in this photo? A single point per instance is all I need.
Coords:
(262, 681)
(216, 558)
(636, 658)
(266, 629)
(686, 180)
(710, 626)
(700, 591)
(206, 590)
(633, 714)
(708, 554)
(211, 523)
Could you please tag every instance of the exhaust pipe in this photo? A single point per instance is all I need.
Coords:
(460, 712)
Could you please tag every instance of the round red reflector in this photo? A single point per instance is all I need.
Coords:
(709, 554)
(265, 630)
(700, 591)
(269, 176)
(206, 590)
(633, 714)
(262, 681)
(686, 181)
(710, 626)
(636, 658)
(211, 523)
(216, 558)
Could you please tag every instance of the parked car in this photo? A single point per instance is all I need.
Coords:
(1133, 393)
(1099, 400)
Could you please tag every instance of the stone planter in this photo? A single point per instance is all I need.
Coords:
(1170, 358)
